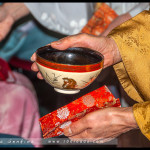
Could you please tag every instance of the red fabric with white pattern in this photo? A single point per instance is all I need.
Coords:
(53, 123)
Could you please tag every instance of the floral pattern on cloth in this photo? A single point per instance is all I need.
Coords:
(100, 20)
(53, 123)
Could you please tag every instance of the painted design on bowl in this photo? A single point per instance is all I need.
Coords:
(69, 83)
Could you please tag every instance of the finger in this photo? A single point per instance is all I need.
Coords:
(76, 127)
(63, 43)
(48, 44)
(39, 75)
(84, 135)
(77, 40)
(34, 67)
(33, 57)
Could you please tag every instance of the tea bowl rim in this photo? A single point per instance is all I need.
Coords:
(96, 52)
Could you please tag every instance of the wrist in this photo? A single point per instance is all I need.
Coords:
(8, 11)
(15, 11)
(126, 117)
(115, 51)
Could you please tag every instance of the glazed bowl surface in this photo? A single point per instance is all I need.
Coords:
(70, 70)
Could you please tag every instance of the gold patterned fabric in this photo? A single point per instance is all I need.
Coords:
(133, 40)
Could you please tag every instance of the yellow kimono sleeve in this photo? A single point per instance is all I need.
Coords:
(133, 40)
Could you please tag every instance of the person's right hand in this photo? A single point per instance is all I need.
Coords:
(105, 45)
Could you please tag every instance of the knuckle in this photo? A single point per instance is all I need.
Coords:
(88, 121)
(84, 35)
(74, 128)
(85, 134)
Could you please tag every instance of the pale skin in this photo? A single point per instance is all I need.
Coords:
(104, 124)
(9, 14)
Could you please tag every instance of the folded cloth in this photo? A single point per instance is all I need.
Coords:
(100, 20)
(19, 111)
(5, 72)
(53, 123)
(3, 69)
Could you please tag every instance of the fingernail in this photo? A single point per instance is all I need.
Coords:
(67, 131)
(31, 59)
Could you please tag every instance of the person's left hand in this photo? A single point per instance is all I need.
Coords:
(102, 125)
(9, 14)
(6, 22)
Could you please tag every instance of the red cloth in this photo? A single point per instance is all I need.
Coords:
(4, 68)
(53, 123)
(100, 20)
(20, 63)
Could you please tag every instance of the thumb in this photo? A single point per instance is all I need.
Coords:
(78, 40)
(76, 127)
(69, 41)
